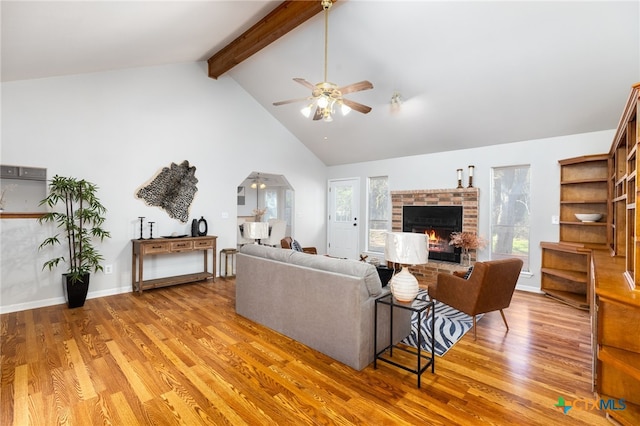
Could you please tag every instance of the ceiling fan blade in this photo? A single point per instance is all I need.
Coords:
(356, 106)
(290, 101)
(305, 83)
(318, 114)
(356, 87)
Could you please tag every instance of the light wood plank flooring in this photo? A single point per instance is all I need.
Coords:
(181, 355)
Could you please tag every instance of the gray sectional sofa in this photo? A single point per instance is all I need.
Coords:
(325, 303)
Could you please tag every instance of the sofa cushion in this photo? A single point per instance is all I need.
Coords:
(349, 267)
(267, 252)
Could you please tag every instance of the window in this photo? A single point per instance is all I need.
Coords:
(510, 213)
(379, 212)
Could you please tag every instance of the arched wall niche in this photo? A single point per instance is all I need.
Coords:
(266, 192)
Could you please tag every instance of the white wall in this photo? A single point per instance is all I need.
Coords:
(438, 171)
(117, 129)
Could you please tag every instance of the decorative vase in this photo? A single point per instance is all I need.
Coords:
(465, 257)
(404, 286)
(203, 228)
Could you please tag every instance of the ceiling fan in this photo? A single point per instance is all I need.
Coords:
(325, 96)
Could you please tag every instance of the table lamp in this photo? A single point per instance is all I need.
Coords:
(405, 248)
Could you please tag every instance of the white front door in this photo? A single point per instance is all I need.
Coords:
(344, 218)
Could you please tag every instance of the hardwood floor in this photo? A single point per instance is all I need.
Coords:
(181, 355)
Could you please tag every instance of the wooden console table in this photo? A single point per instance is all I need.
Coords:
(156, 246)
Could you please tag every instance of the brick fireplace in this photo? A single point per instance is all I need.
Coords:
(467, 198)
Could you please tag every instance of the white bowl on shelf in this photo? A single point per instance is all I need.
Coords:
(588, 217)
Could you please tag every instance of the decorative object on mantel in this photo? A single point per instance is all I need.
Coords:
(471, 168)
(459, 179)
(81, 222)
(151, 230)
(172, 189)
(467, 241)
(405, 248)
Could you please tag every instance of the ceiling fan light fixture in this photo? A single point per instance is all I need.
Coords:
(323, 102)
(325, 94)
(258, 183)
(306, 111)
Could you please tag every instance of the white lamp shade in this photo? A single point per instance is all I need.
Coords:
(256, 230)
(407, 248)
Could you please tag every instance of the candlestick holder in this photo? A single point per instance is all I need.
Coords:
(141, 219)
(471, 168)
(459, 179)
(151, 230)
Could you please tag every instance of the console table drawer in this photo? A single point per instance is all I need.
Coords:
(203, 244)
(155, 248)
(181, 246)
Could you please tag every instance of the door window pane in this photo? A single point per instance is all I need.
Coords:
(343, 197)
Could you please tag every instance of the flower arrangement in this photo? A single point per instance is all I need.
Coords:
(467, 240)
(258, 213)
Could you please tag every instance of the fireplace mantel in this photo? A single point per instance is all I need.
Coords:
(465, 197)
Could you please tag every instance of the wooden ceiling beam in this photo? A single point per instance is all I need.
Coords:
(284, 18)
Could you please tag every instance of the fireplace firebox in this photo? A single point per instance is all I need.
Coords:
(438, 222)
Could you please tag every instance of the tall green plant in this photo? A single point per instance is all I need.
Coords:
(81, 221)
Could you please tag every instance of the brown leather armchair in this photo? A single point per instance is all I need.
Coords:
(286, 242)
(489, 288)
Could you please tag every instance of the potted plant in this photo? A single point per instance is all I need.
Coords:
(81, 223)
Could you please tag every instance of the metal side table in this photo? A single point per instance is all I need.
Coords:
(422, 308)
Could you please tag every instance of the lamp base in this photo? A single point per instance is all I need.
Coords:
(404, 286)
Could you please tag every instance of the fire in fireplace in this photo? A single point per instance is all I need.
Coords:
(438, 222)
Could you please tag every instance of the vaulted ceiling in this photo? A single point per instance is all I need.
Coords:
(470, 73)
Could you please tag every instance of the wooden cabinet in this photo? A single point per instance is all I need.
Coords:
(615, 317)
(167, 246)
(616, 330)
(624, 237)
(584, 188)
(565, 273)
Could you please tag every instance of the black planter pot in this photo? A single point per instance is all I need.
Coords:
(75, 292)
